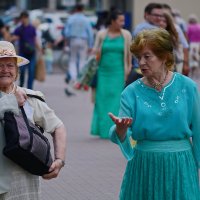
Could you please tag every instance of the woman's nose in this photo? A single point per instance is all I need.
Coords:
(142, 61)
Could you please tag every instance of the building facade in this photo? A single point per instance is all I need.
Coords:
(133, 8)
(136, 8)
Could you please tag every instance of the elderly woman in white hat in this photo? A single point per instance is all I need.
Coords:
(15, 182)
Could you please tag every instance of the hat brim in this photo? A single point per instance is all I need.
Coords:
(20, 60)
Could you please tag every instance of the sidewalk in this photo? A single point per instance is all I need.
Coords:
(94, 167)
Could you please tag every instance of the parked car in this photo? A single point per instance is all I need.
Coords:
(36, 14)
(54, 23)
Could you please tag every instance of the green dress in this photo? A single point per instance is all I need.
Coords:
(110, 83)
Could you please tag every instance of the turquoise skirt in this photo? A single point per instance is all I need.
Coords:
(161, 170)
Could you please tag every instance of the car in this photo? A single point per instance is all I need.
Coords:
(35, 14)
(54, 22)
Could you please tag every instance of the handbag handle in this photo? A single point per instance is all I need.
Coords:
(36, 96)
(27, 125)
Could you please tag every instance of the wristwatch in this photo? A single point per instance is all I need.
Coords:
(62, 161)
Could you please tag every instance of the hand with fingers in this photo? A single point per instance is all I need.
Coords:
(20, 95)
(122, 125)
(54, 170)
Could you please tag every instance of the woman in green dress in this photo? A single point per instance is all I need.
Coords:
(113, 48)
(158, 126)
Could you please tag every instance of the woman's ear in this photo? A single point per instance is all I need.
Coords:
(169, 61)
(166, 58)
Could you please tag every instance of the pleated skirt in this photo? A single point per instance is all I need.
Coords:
(161, 170)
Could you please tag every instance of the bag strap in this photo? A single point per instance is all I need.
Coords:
(27, 125)
(36, 96)
(24, 114)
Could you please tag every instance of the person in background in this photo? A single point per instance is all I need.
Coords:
(167, 23)
(48, 57)
(158, 125)
(183, 51)
(79, 35)
(4, 32)
(152, 16)
(180, 21)
(193, 35)
(102, 20)
(102, 23)
(112, 45)
(36, 23)
(1, 27)
(27, 40)
(15, 182)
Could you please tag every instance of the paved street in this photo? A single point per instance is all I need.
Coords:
(94, 167)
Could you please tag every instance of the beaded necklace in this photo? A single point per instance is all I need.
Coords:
(158, 85)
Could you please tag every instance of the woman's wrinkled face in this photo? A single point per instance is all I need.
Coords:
(8, 71)
(149, 63)
(119, 22)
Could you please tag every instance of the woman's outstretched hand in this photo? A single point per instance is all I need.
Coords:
(122, 125)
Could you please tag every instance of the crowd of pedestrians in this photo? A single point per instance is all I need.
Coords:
(139, 92)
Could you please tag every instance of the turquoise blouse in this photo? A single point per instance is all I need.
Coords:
(171, 114)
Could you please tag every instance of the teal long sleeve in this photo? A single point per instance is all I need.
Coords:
(125, 146)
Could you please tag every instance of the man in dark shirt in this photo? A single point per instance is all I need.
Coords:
(26, 36)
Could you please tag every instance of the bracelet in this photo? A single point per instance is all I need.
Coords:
(62, 161)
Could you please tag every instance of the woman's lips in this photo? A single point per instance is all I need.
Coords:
(144, 70)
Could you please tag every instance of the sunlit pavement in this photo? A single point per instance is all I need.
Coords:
(94, 167)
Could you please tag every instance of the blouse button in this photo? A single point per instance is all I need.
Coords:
(163, 104)
(183, 90)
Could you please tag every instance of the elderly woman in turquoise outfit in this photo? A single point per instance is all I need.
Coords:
(112, 46)
(15, 182)
(158, 126)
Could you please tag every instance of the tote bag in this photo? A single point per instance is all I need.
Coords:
(40, 70)
(25, 143)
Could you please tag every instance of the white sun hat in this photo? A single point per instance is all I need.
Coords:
(7, 50)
